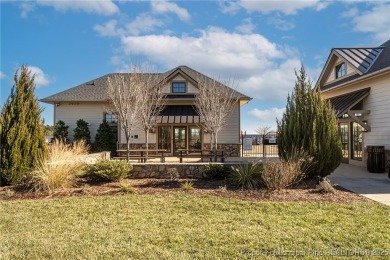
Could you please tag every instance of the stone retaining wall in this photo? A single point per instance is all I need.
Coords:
(169, 170)
(230, 150)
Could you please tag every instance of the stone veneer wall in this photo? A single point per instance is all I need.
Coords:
(230, 150)
(165, 170)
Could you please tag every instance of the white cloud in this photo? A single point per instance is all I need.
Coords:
(274, 82)
(108, 29)
(2, 75)
(168, 7)
(41, 79)
(246, 27)
(262, 69)
(143, 23)
(375, 21)
(289, 7)
(215, 51)
(350, 13)
(228, 7)
(26, 8)
(280, 23)
(101, 7)
(267, 117)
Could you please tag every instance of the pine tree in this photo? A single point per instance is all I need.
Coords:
(61, 131)
(310, 123)
(105, 138)
(81, 132)
(22, 139)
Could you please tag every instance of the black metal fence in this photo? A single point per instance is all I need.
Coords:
(254, 145)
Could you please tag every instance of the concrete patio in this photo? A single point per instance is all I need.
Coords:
(375, 186)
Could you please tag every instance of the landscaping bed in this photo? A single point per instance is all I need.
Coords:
(304, 191)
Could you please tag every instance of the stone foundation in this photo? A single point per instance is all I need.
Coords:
(230, 150)
(169, 170)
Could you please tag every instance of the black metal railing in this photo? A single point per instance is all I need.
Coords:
(253, 145)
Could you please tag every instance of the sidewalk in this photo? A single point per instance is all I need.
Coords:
(375, 186)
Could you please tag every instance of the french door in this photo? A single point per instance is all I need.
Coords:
(179, 138)
(345, 141)
(173, 138)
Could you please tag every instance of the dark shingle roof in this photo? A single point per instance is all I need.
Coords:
(96, 90)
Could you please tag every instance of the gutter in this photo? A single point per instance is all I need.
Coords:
(363, 78)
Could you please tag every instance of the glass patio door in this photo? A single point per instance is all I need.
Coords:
(164, 138)
(345, 141)
(179, 138)
(357, 142)
(194, 137)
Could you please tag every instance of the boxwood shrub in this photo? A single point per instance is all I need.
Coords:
(110, 170)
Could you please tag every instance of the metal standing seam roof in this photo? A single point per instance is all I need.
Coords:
(179, 114)
(365, 60)
(343, 103)
(361, 58)
(96, 90)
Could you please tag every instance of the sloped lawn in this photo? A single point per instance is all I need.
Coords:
(175, 225)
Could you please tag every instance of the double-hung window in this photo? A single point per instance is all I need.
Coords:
(179, 87)
(340, 70)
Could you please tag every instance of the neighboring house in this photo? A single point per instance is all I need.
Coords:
(179, 125)
(357, 82)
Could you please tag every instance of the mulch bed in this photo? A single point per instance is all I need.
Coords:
(305, 191)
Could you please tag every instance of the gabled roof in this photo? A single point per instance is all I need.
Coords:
(360, 58)
(364, 60)
(96, 90)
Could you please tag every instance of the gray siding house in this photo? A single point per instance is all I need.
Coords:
(357, 82)
(179, 125)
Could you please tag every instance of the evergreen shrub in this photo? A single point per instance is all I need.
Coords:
(309, 123)
(81, 132)
(217, 171)
(109, 170)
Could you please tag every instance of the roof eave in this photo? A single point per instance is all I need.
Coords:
(362, 78)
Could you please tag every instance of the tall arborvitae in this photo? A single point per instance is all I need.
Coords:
(310, 124)
(81, 132)
(61, 131)
(105, 138)
(22, 139)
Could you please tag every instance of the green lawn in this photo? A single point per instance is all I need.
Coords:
(184, 226)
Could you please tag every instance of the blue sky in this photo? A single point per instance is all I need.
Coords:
(257, 43)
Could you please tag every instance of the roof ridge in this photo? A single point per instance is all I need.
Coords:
(378, 47)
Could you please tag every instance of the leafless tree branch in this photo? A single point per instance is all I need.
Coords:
(214, 103)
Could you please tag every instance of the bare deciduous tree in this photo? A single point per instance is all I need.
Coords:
(152, 101)
(214, 103)
(263, 130)
(124, 92)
